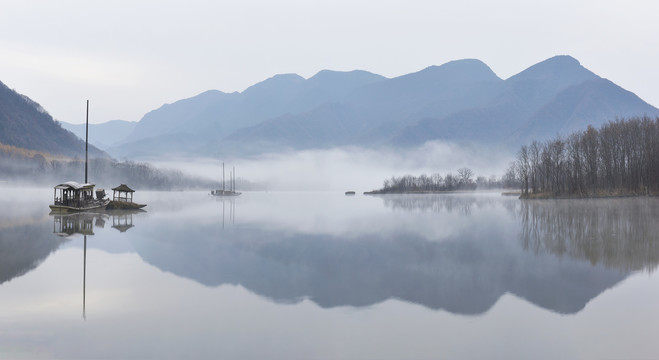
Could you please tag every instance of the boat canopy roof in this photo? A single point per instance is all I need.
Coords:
(123, 188)
(74, 185)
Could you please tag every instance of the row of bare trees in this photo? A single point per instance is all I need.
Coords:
(622, 157)
(464, 180)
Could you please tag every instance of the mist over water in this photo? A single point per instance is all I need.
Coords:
(348, 168)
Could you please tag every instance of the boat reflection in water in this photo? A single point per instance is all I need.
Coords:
(122, 220)
(76, 224)
(228, 209)
(65, 225)
(71, 225)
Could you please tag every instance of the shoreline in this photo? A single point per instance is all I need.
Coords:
(428, 192)
(601, 195)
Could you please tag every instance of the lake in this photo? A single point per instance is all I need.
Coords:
(313, 275)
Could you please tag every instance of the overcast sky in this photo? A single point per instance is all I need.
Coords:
(131, 57)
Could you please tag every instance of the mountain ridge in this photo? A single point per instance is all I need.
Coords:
(25, 124)
(113, 130)
(495, 112)
(459, 101)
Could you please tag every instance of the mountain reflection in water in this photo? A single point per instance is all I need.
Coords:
(456, 252)
(24, 244)
(27, 241)
(465, 272)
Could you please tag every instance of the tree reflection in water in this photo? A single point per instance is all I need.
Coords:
(620, 233)
(617, 233)
(458, 203)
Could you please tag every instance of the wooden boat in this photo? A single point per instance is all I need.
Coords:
(74, 197)
(223, 191)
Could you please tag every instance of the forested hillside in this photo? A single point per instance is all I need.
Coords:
(35, 149)
(25, 124)
(23, 166)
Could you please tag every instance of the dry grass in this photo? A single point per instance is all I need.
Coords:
(17, 152)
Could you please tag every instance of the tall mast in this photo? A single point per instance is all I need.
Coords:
(233, 182)
(86, 139)
(222, 178)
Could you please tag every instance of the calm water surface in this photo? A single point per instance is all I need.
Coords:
(325, 276)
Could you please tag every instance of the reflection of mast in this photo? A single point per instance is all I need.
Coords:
(232, 211)
(84, 278)
(83, 224)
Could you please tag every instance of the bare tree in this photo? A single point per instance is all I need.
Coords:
(621, 157)
(464, 176)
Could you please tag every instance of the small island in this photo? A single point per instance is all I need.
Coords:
(436, 183)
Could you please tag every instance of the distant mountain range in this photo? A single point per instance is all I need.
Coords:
(25, 124)
(460, 101)
(103, 135)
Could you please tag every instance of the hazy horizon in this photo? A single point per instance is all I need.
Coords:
(346, 168)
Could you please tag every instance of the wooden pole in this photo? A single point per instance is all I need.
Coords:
(86, 139)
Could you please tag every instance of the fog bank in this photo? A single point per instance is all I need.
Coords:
(347, 168)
